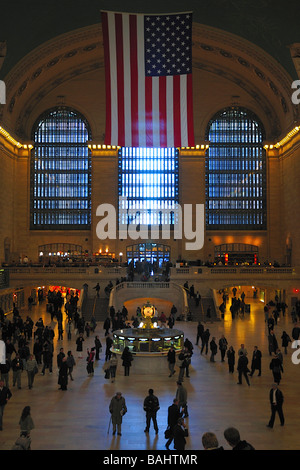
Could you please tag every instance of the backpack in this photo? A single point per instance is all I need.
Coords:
(151, 403)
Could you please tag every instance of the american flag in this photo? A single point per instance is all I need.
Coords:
(148, 73)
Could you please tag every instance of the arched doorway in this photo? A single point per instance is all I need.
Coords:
(153, 253)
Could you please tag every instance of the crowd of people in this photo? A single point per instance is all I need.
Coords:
(29, 347)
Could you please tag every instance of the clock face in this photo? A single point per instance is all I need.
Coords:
(148, 311)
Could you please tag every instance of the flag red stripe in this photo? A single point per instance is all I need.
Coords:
(120, 79)
(148, 111)
(176, 111)
(190, 117)
(107, 139)
(163, 111)
(134, 80)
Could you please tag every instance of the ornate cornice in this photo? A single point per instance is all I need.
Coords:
(295, 54)
(50, 54)
(2, 52)
(248, 58)
(216, 51)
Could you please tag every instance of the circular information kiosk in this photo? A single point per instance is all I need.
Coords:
(149, 343)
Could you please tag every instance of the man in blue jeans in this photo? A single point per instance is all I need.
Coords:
(5, 395)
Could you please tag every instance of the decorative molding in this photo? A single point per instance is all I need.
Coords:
(90, 34)
(257, 95)
(249, 67)
(295, 54)
(261, 65)
(2, 52)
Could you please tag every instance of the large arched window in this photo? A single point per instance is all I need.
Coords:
(149, 185)
(235, 172)
(60, 172)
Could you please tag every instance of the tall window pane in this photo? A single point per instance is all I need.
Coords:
(61, 172)
(148, 185)
(235, 172)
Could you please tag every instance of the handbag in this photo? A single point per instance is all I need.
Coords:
(168, 433)
(35, 370)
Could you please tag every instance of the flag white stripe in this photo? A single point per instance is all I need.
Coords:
(170, 123)
(155, 112)
(183, 110)
(127, 80)
(141, 80)
(113, 76)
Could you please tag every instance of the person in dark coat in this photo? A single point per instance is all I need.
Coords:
(97, 288)
(223, 344)
(213, 349)
(276, 368)
(60, 357)
(285, 341)
(233, 438)
(47, 357)
(174, 414)
(106, 326)
(276, 401)
(296, 332)
(127, 359)
(270, 323)
(179, 434)
(151, 406)
(5, 395)
(109, 343)
(171, 360)
(63, 375)
(273, 345)
(117, 409)
(205, 339)
(256, 361)
(242, 368)
(79, 344)
(90, 361)
(231, 359)
(98, 346)
(200, 331)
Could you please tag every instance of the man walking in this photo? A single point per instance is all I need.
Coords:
(181, 396)
(180, 432)
(223, 343)
(242, 368)
(276, 400)
(256, 361)
(205, 339)
(171, 360)
(151, 406)
(117, 409)
(200, 331)
(173, 416)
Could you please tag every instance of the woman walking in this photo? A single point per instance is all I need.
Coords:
(70, 363)
(26, 422)
(32, 369)
(79, 345)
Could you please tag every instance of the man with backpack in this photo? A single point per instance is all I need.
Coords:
(151, 406)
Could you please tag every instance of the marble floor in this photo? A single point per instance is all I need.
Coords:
(78, 419)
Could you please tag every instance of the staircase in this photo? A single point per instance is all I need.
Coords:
(96, 305)
(199, 312)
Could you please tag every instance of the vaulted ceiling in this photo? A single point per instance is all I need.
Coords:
(272, 25)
